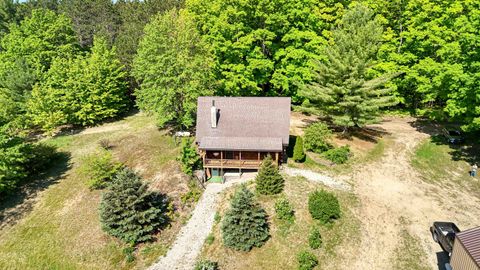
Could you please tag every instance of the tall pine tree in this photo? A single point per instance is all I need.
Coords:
(269, 181)
(129, 211)
(344, 88)
(245, 223)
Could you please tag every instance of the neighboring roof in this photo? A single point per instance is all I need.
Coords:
(471, 241)
(241, 143)
(244, 123)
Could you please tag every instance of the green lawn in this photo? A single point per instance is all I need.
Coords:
(438, 163)
(280, 251)
(62, 230)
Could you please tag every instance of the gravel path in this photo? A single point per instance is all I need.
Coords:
(182, 255)
(317, 177)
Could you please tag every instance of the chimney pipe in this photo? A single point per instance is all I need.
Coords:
(213, 115)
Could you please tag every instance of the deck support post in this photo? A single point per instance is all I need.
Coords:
(240, 167)
(221, 166)
(276, 158)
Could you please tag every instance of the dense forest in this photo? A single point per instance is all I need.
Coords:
(80, 62)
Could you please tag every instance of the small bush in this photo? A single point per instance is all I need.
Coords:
(206, 265)
(298, 153)
(192, 196)
(129, 253)
(41, 157)
(99, 168)
(306, 260)
(316, 138)
(284, 210)
(268, 180)
(338, 155)
(323, 206)
(210, 239)
(217, 218)
(314, 238)
(189, 157)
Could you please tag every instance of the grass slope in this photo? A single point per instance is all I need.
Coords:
(287, 240)
(62, 230)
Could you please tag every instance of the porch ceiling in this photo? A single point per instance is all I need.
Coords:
(242, 144)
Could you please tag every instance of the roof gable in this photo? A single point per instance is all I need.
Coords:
(244, 117)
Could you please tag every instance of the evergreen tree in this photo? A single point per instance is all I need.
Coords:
(173, 67)
(268, 180)
(129, 211)
(298, 153)
(343, 88)
(245, 224)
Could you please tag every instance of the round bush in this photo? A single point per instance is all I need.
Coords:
(316, 138)
(298, 153)
(306, 260)
(323, 206)
(284, 210)
(314, 238)
(338, 155)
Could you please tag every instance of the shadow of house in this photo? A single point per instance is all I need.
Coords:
(442, 259)
(17, 205)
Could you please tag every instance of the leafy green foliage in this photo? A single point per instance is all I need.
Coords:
(129, 211)
(314, 238)
(173, 67)
(269, 181)
(99, 168)
(189, 157)
(210, 239)
(317, 137)
(264, 47)
(306, 260)
(323, 206)
(193, 194)
(298, 153)
(338, 155)
(81, 91)
(244, 225)
(343, 87)
(14, 154)
(206, 265)
(284, 210)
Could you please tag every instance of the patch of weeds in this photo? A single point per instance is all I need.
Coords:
(210, 239)
(314, 238)
(129, 253)
(409, 254)
(192, 196)
(217, 218)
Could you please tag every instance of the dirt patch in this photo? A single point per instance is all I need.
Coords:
(299, 121)
(390, 189)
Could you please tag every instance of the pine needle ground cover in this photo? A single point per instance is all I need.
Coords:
(62, 229)
(338, 241)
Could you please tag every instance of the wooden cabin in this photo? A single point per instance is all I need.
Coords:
(466, 250)
(237, 133)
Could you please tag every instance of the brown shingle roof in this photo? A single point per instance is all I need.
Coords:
(471, 241)
(244, 123)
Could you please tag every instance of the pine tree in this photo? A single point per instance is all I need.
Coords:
(245, 224)
(344, 88)
(269, 181)
(298, 153)
(129, 211)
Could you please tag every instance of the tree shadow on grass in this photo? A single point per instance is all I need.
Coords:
(468, 151)
(17, 205)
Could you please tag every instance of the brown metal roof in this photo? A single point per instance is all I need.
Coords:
(471, 241)
(259, 121)
(242, 143)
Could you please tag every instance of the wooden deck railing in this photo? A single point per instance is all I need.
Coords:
(232, 163)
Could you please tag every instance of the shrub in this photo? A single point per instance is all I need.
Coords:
(323, 206)
(188, 157)
(210, 239)
(298, 153)
(129, 211)
(338, 155)
(206, 265)
(244, 225)
(284, 210)
(14, 156)
(193, 195)
(316, 138)
(41, 157)
(306, 260)
(268, 180)
(314, 238)
(99, 168)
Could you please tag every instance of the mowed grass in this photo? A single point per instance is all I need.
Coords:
(339, 239)
(63, 231)
(409, 254)
(435, 163)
